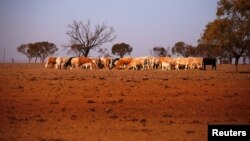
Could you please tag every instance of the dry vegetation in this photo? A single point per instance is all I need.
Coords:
(103, 105)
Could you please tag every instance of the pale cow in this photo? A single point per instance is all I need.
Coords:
(153, 62)
(195, 62)
(181, 62)
(105, 62)
(87, 66)
(169, 60)
(60, 61)
(139, 62)
(96, 61)
(165, 66)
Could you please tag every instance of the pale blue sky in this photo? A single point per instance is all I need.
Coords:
(143, 24)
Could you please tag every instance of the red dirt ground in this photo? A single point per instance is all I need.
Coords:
(104, 105)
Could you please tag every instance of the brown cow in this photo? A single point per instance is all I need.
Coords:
(79, 61)
(122, 63)
(51, 61)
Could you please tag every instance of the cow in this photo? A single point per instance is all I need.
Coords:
(68, 63)
(169, 60)
(51, 61)
(165, 66)
(139, 62)
(181, 62)
(195, 62)
(97, 62)
(78, 61)
(123, 62)
(105, 62)
(113, 63)
(209, 61)
(60, 61)
(153, 62)
(87, 66)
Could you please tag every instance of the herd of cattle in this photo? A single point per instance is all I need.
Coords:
(137, 63)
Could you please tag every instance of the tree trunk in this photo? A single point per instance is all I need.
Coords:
(236, 63)
(220, 58)
(86, 52)
(42, 60)
(29, 59)
(231, 60)
(244, 60)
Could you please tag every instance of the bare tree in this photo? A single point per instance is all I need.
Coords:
(160, 51)
(73, 49)
(82, 35)
(104, 52)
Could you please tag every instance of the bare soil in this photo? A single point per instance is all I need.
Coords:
(119, 105)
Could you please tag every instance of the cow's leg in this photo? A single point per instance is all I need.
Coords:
(154, 66)
(57, 66)
(77, 66)
(90, 67)
(177, 67)
(214, 67)
(168, 67)
(71, 66)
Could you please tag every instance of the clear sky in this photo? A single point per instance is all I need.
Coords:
(143, 24)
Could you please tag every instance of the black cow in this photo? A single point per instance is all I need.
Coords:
(112, 63)
(209, 61)
(68, 63)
